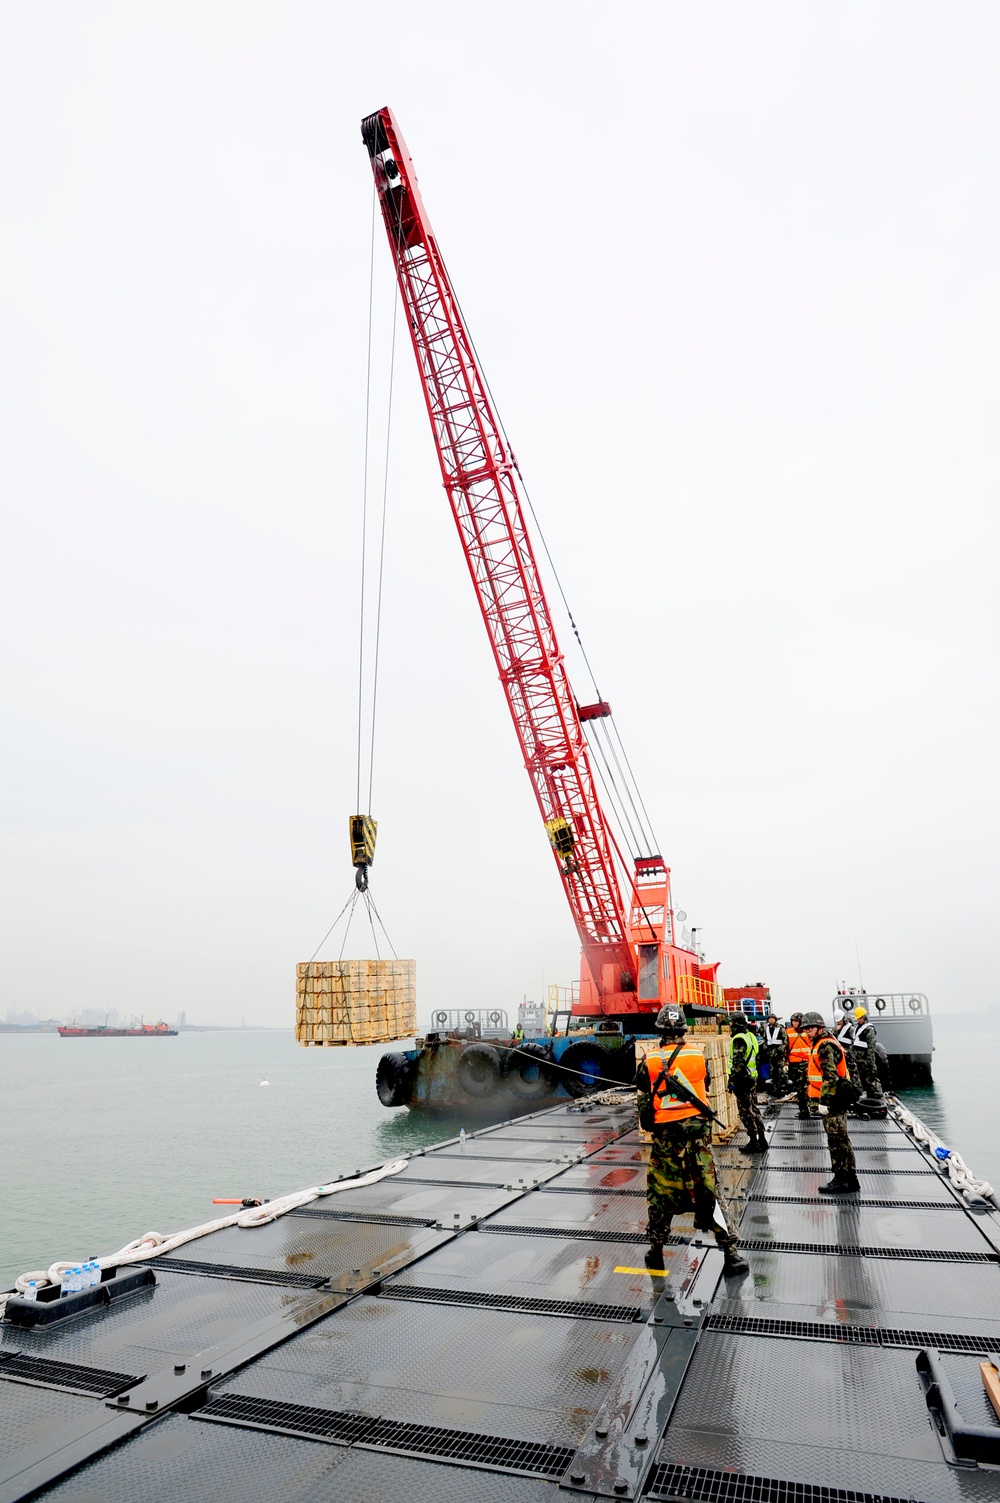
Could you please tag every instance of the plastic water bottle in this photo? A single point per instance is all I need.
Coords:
(91, 1275)
(78, 1280)
(32, 1290)
(69, 1284)
(461, 1137)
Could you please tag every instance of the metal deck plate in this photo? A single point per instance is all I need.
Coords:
(928, 1189)
(872, 1291)
(539, 1268)
(179, 1316)
(539, 1378)
(316, 1246)
(604, 1178)
(602, 1212)
(495, 1173)
(493, 1149)
(845, 1223)
(834, 1416)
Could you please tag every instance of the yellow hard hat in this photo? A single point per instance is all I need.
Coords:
(861, 1012)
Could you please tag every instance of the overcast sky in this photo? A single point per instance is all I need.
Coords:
(732, 271)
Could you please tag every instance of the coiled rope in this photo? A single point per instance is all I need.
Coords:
(154, 1244)
(959, 1172)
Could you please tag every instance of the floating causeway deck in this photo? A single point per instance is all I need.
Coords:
(481, 1329)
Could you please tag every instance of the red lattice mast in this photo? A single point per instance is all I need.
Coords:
(481, 479)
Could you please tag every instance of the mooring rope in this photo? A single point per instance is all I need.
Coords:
(959, 1173)
(155, 1244)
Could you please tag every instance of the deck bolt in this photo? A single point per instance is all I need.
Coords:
(206, 1372)
(179, 1367)
(601, 1431)
(152, 1403)
(577, 1477)
(621, 1486)
(641, 1440)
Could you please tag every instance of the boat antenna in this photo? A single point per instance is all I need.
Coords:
(857, 952)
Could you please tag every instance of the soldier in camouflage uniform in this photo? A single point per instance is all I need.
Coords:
(681, 1173)
(863, 1041)
(743, 1050)
(827, 1074)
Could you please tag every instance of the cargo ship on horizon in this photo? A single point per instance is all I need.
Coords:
(102, 1031)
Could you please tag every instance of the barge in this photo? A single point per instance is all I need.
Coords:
(480, 1326)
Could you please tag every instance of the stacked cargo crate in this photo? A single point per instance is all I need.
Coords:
(355, 1001)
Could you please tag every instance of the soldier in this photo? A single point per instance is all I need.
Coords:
(775, 1051)
(843, 1032)
(681, 1174)
(743, 1047)
(798, 1061)
(863, 1042)
(831, 1089)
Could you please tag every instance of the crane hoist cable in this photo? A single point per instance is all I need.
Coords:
(363, 827)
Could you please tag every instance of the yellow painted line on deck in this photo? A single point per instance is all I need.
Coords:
(661, 1272)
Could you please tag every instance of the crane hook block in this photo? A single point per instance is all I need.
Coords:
(560, 836)
(363, 830)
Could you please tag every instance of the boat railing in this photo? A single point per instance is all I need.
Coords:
(695, 991)
(885, 1004)
(480, 1022)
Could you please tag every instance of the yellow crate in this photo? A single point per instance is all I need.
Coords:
(355, 1001)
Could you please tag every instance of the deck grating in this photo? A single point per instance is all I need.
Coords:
(432, 1442)
(379, 1218)
(856, 1200)
(577, 1309)
(815, 1330)
(249, 1275)
(854, 1250)
(698, 1484)
(69, 1377)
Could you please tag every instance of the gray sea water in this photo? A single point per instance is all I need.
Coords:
(103, 1140)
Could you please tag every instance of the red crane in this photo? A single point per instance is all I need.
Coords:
(630, 963)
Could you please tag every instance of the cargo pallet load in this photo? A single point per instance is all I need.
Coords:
(355, 1001)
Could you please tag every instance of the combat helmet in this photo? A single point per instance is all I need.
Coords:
(670, 1021)
(738, 1022)
(813, 1020)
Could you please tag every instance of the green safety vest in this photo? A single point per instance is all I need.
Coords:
(751, 1044)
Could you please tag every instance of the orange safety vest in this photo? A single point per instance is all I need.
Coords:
(798, 1046)
(690, 1066)
(815, 1070)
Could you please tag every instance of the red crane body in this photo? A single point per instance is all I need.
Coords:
(482, 482)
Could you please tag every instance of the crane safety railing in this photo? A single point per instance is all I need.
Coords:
(884, 1004)
(695, 991)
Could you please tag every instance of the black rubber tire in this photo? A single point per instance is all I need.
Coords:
(478, 1070)
(394, 1079)
(583, 1056)
(528, 1070)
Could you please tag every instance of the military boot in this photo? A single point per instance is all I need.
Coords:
(841, 1184)
(733, 1265)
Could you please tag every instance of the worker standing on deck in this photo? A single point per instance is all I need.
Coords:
(798, 1061)
(774, 1047)
(743, 1047)
(843, 1032)
(681, 1173)
(832, 1090)
(863, 1042)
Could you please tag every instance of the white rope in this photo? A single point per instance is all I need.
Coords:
(154, 1244)
(959, 1172)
